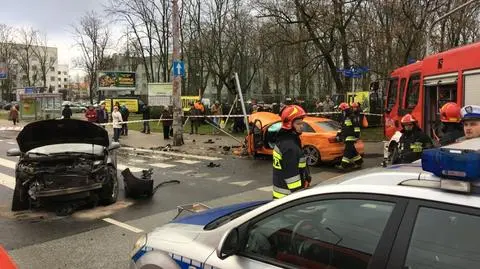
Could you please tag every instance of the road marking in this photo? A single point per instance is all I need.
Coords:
(187, 161)
(183, 172)
(218, 179)
(266, 188)
(123, 225)
(7, 181)
(208, 158)
(11, 143)
(201, 175)
(7, 163)
(1, 140)
(162, 165)
(123, 167)
(241, 183)
(137, 161)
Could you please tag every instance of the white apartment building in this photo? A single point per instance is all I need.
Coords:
(62, 77)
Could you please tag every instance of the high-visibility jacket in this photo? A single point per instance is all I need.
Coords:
(359, 120)
(411, 146)
(347, 132)
(290, 170)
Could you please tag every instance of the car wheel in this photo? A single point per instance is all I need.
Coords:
(20, 200)
(312, 155)
(109, 191)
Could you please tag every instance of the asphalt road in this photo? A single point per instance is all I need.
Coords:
(32, 236)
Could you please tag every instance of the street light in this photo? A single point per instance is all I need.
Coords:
(428, 45)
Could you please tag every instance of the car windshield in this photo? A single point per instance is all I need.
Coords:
(68, 147)
(227, 218)
(328, 126)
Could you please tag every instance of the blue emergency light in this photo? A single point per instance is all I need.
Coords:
(449, 163)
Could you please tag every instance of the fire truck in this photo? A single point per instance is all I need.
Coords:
(423, 87)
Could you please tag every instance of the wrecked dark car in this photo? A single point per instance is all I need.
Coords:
(61, 161)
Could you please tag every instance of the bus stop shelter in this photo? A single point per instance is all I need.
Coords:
(40, 106)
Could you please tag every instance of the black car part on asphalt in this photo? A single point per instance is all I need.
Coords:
(141, 187)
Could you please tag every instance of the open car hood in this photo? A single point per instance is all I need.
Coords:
(49, 132)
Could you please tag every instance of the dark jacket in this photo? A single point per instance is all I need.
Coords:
(290, 170)
(146, 113)
(67, 112)
(347, 131)
(102, 116)
(125, 113)
(167, 115)
(411, 146)
(451, 132)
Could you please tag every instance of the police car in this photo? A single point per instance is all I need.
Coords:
(420, 215)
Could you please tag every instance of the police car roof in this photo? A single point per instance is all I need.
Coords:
(405, 180)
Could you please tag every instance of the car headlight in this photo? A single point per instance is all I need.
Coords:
(141, 242)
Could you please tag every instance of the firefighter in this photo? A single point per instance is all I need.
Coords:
(290, 170)
(347, 134)
(471, 121)
(412, 142)
(452, 127)
(359, 119)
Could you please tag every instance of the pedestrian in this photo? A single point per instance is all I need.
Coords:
(471, 121)
(216, 111)
(102, 114)
(346, 134)
(452, 128)
(117, 123)
(359, 119)
(290, 170)
(328, 104)
(412, 142)
(13, 114)
(194, 120)
(67, 112)
(125, 113)
(167, 122)
(91, 114)
(146, 118)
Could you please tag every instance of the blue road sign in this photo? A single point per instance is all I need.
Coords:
(3, 72)
(29, 90)
(178, 68)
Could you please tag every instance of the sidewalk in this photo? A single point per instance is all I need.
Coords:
(206, 145)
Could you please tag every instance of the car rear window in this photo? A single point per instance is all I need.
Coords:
(328, 126)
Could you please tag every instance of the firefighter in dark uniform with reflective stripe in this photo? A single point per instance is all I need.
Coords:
(349, 136)
(452, 128)
(412, 142)
(290, 170)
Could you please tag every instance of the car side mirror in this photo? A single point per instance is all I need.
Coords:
(14, 152)
(114, 145)
(229, 245)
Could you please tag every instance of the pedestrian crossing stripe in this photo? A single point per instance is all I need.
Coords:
(11, 128)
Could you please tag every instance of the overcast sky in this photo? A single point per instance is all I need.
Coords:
(53, 17)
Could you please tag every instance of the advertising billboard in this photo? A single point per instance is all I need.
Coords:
(116, 80)
(3, 71)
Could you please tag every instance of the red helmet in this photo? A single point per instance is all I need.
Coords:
(450, 112)
(291, 113)
(408, 119)
(343, 106)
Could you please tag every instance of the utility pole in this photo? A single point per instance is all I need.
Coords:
(177, 77)
(430, 29)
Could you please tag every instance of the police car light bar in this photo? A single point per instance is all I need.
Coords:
(455, 185)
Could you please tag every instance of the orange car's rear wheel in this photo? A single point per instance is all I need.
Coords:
(312, 155)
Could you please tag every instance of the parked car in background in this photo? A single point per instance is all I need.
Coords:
(64, 160)
(318, 137)
(9, 105)
(75, 107)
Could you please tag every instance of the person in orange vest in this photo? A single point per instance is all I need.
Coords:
(452, 128)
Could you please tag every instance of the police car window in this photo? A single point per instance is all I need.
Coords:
(307, 128)
(341, 233)
(444, 239)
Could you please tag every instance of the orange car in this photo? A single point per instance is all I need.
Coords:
(5, 261)
(318, 137)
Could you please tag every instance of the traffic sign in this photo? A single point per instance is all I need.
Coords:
(178, 68)
(3, 71)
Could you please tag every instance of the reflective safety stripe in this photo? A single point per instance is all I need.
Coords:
(357, 129)
(348, 122)
(277, 153)
(280, 192)
(277, 157)
(356, 158)
(293, 182)
(345, 160)
(302, 165)
(351, 138)
(416, 147)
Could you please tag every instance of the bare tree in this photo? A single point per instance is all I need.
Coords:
(25, 55)
(44, 58)
(92, 37)
(7, 55)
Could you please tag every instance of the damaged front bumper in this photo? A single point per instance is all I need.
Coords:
(67, 191)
